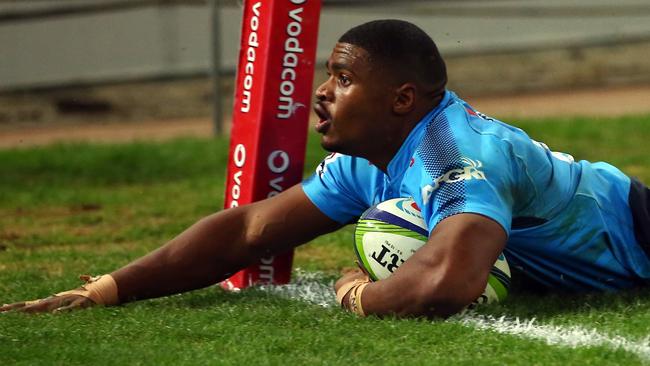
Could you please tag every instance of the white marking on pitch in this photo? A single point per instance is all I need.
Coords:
(306, 286)
(572, 337)
(310, 287)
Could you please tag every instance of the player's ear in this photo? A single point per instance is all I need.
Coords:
(404, 101)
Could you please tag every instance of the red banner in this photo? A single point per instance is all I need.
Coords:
(273, 97)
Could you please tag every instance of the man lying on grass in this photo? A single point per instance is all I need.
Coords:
(396, 132)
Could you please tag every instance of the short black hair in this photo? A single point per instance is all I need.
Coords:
(402, 46)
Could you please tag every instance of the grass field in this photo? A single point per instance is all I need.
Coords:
(71, 209)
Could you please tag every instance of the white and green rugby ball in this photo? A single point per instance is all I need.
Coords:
(389, 232)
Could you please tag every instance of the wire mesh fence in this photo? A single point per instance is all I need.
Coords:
(121, 40)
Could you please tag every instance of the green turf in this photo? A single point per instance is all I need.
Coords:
(78, 208)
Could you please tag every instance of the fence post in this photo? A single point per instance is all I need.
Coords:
(217, 104)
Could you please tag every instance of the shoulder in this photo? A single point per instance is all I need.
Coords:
(460, 131)
(336, 165)
(340, 173)
(457, 139)
(342, 186)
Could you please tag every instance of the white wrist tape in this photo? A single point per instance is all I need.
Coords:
(354, 288)
(354, 301)
(102, 290)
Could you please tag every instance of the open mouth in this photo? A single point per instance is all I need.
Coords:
(324, 118)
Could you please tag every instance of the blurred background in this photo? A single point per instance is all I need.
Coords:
(101, 61)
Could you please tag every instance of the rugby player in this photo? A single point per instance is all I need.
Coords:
(484, 187)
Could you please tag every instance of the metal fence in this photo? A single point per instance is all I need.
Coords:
(179, 37)
(46, 43)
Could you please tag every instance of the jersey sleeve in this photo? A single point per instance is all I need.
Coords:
(342, 187)
(465, 171)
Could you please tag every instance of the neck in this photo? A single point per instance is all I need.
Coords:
(396, 138)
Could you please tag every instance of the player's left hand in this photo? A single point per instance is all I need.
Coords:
(350, 275)
(349, 288)
(50, 304)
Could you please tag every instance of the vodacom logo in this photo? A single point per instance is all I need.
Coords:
(470, 171)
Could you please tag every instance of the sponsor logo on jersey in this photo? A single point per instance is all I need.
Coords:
(471, 170)
(476, 113)
(321, 169)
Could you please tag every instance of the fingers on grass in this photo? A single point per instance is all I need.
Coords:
(49, 304)
(40, 306)
(20, 306)
(14, 306)
(78, 303)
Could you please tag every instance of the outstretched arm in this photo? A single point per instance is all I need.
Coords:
(442, 277)
(211, 250)
(223, 243)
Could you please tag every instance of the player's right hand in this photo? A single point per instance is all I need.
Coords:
(54, 304)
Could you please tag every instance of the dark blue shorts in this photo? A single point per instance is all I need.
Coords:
(639, 201)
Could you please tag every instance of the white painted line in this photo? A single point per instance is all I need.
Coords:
(572, 337)
(311, 288)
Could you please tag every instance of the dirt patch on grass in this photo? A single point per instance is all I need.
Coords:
(607, 102)
(26, 135)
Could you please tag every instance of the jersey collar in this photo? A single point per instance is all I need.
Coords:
(401, 161)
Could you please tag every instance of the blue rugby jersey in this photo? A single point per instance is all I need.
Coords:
(568, 222)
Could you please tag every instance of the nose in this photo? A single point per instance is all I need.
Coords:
(322, 92)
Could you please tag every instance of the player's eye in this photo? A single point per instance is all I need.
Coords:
(344, 80)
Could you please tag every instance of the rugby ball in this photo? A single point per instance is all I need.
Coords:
(388, 233)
